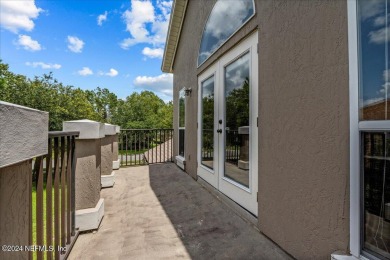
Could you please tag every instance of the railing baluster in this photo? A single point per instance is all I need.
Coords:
(68, 189)
(56, 200)
(121, 145)
(148, 146)
(62, 192)
(39, 203)
(139, 147)
(73, 199)
(160, 144)
(126, 144)
(49, 203)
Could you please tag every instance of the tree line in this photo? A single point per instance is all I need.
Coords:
(63, 102)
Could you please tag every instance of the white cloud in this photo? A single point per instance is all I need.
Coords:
(18, 15)
(371, 8)
(43, 65)
(380, 36)
(75, 44)
(111, 73)
(85, 71)
(28, 43)
(381, 20)
(153, 53)
(101, 18)
(161, 85)
(144, 24)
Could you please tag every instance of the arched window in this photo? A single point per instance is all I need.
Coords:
(225, 19)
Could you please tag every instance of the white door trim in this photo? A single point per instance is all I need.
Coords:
(354, 141)
(209, 175)
(246, 197)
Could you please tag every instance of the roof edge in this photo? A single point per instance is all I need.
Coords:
(179, 8)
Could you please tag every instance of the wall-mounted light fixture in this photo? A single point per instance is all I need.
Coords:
(187, 91)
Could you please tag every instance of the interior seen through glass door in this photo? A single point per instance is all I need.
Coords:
(236, 79)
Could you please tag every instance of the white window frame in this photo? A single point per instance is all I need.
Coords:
(204, 28)
(355, 128)
(180, 160)
(354, 143)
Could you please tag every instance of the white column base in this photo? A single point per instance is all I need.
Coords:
(108, 180)
(116, 164)
(89, 219)
(181, 162)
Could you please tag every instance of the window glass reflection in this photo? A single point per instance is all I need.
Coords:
(207, 137)
(226, 18)
(182, 110)
(237, 120)
(374, 35)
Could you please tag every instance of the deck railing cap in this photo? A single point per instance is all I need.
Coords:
(110, 129)
(23, 133)
(88, 129)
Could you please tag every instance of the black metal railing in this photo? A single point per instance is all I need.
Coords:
(145, 146)
(53, 198)
(233, 143)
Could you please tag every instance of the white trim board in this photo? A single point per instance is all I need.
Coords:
(354, 175)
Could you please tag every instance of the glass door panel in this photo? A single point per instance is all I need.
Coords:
(207, 123)
(376, 192)
(237, 125)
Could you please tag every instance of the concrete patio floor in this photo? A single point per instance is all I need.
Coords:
(159, 212)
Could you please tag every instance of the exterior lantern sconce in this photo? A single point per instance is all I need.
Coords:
(187, 92)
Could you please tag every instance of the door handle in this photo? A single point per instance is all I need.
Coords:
(219, 131)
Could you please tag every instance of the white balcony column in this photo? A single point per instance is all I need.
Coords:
(23, 136)
(89, 205)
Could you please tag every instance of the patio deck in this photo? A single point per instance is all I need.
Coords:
(159, 212)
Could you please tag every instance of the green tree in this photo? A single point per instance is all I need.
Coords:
(139, 110)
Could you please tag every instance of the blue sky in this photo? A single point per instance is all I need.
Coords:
(107, 43)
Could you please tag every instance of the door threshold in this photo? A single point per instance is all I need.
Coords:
(231, 204)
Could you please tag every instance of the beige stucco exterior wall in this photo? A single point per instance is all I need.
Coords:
(114, 139)
(106, 155)
(15, 208)
(304, 126)
(303, 118)
(87, 176)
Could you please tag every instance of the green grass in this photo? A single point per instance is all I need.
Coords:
(34, 216)
(132, 152)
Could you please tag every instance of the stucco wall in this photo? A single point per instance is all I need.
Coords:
(114, 139)
(106, 155)
(303, 118)
(31, 128)
(304, 126)
(15, 208)
(87, 175)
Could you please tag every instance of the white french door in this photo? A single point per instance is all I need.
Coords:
(227, 124)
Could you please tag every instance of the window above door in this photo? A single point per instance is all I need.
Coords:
(225, 19)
